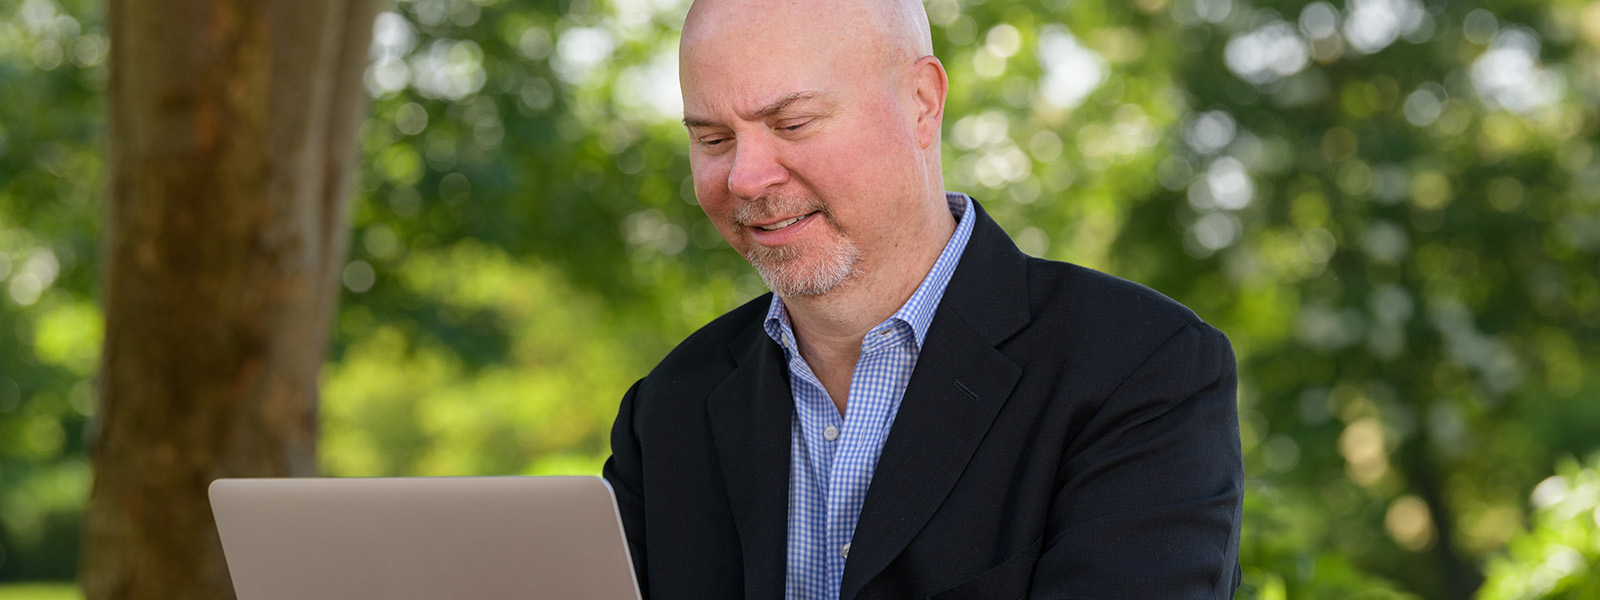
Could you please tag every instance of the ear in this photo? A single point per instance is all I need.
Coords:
(931, 85)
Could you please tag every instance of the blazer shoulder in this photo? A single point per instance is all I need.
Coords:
(1089, 300)
(1103, 331)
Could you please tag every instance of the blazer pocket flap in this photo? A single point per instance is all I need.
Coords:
(1008, 580)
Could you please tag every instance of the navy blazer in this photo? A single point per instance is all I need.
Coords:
(1065, 434)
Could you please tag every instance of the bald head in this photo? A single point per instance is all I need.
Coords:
(892, 31)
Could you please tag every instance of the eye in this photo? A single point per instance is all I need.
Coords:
(793, 126)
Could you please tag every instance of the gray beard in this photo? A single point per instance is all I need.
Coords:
(784, 269)
(787, 275)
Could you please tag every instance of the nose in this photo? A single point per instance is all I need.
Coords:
(757, 167)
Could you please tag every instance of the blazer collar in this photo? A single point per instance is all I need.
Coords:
(750, 415)
(955, 391)
(958, 386)
(989, 289)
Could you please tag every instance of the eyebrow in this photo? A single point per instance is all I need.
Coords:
(770, 109)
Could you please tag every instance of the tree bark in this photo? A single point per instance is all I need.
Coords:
(232, 142)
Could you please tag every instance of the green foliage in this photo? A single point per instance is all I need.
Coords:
(1559, 558)
(40, 591)
(52, 74)
(1284, 552)
(406, 404)
(1389, 206)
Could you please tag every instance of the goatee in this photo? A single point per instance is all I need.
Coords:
(788, 270)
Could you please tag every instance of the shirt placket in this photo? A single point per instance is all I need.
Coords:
(803, 482)
(836, 529)
(816, 414)
(860, 427)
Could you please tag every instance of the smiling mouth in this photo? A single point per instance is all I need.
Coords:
(784, 223)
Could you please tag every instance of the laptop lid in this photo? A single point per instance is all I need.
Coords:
(423, 537)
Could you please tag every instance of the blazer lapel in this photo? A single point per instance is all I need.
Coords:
(958, 386)
(750, 416)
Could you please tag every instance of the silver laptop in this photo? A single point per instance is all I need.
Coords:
(423, 537)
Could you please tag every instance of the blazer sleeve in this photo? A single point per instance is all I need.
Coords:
(1150, 493)
(625, 472)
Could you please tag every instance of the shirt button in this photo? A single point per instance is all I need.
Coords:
(845, 551)
(831, 433)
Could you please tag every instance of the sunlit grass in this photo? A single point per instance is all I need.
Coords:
(39, 591)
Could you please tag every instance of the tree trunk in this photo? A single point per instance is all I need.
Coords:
(232, 141)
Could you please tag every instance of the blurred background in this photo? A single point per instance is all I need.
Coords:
(1392, 207)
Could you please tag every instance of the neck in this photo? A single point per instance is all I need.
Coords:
(829, 328)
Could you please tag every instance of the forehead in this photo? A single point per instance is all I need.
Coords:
(716, 100)
(766, 21)
(744, 58)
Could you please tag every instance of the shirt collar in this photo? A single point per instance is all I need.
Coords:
(918, 310)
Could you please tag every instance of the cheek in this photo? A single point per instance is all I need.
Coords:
(711, 191)
(710, 184)
(865, 160)
(868, 175)
(876, 140)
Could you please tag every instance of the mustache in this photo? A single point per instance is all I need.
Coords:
(767, 208)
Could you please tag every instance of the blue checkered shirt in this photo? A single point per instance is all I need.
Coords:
(831, 458)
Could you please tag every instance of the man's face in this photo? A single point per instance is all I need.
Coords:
(801, 148)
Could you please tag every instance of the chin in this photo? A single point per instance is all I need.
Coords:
(792, 273)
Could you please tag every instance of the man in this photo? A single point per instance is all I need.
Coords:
(920, 409)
